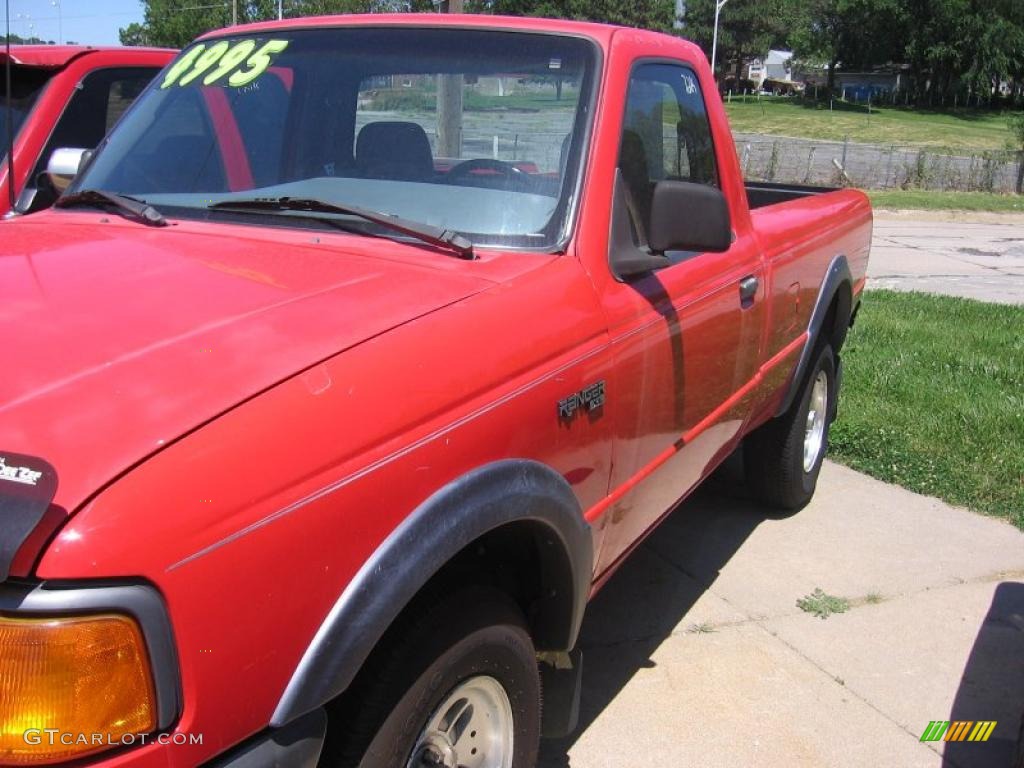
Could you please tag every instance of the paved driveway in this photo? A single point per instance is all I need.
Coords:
(695, 653)
(979, 256)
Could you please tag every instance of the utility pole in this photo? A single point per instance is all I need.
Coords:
(714, 40)
(449, 100)
(280, 9)
(60, 22)
(12, 198)
(234, 12)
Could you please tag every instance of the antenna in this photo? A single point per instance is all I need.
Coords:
(10, 112)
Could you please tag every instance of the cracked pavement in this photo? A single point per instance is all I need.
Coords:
(696, 654)
(978, 256)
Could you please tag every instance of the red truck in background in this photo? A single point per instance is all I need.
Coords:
(64, 96)
(314, 446)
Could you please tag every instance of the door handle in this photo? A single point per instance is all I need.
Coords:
(748, 290)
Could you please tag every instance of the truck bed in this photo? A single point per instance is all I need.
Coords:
(761, 194)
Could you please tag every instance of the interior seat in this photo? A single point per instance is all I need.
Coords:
(394, 150)
(636, 174)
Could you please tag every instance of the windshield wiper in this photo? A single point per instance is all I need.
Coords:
(442, 238)
(129, 207)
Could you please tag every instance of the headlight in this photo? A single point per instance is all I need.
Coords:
(71, 686)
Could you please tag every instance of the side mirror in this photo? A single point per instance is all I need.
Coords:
(64, 164)
(688, 217)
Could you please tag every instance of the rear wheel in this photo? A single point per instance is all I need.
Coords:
(456, 687)
(783, 457)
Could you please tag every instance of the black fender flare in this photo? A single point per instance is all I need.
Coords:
(837, 281)
(496, 494)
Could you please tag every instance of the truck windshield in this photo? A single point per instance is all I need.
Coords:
(475, 131)
(26, 85)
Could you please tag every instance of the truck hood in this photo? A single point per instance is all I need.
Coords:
(118, 338)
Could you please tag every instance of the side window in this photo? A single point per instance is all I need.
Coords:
(179, 147)
(665, 136)
(100, 99)
(125, 90)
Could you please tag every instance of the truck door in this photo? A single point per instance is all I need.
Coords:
(686, 337)
(96, 103)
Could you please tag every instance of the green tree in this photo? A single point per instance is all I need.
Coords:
(647, 14)
(176, 23)
(133, 34)
(746, 29)
(858, 34)
(964, 47)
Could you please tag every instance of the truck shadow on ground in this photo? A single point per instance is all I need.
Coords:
(992, 686)
(648, 599)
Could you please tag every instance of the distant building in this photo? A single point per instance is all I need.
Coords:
(775, 66)
(860, 86)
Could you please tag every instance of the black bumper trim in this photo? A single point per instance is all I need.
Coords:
(296, 745)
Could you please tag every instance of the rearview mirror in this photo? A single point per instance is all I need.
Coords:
(688, 217)
(64, 164)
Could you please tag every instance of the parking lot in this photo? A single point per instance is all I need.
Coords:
(696, 654)
(975, 255)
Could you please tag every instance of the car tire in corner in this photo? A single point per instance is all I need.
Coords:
(457, 685)
(783, 457)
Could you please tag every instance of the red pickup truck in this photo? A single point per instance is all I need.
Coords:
(357, 358)
(64, 96)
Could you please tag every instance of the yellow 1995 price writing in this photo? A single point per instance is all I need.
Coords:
(241, 62)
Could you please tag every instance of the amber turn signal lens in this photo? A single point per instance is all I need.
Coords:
(71, 686)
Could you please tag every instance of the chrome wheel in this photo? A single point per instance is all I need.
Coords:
(472, 728)
(814, 431)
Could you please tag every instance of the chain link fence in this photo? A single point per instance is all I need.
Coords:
(874, 166)
(517, 138)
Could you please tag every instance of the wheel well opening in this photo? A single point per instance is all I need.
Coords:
(525, 559)
(837, 319)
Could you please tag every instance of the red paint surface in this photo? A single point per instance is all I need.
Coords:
(73, 63)
(247, 411)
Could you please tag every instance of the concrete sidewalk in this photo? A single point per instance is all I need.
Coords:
(978, 256)
(696, 654)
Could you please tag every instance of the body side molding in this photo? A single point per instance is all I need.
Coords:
(507, 491)
(837, 280)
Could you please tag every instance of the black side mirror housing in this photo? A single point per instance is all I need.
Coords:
(689, 217)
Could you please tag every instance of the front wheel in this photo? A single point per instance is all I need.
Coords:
(459, 688)
(783, 457)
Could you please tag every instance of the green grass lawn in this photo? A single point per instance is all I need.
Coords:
(933, 399)
(921, 199)
(953, 129)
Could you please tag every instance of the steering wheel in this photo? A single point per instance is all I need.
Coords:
(463, 172)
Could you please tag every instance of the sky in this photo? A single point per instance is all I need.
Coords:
(84, 21)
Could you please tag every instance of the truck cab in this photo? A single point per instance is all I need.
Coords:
(358, 358)
(64, 96)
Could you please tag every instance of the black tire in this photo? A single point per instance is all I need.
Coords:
(473, 632)
(773, 454)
